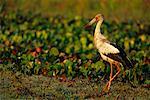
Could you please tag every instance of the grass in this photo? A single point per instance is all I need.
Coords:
(17, 85)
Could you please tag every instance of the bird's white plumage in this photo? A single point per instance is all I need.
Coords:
(106, 48)
(102, 44)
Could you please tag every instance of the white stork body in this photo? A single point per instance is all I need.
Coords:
(109, 52)
(102, 44)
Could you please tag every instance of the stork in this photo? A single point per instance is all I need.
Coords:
(109, 51)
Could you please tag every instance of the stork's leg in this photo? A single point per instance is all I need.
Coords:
(107, 86)
(110, 77)
(118, 71)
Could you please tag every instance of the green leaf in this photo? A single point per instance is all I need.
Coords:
(99, 65)
(54, 51)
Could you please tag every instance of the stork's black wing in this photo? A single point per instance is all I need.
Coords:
(120, 57)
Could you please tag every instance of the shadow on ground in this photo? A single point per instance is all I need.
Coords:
(17, 85)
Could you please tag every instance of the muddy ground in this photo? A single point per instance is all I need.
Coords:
(17, 85)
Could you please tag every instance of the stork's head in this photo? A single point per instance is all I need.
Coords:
(97, 18)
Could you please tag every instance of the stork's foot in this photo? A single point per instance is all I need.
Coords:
(107, 87)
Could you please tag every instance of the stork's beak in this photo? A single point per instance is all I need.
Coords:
(90, 23)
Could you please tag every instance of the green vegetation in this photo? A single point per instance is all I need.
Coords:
(61, 47)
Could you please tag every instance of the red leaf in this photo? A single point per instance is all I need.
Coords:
(38, 49)
(34, 53)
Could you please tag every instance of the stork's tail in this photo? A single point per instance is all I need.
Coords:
(127, 63)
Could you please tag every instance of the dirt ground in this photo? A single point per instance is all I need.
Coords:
(17, 85)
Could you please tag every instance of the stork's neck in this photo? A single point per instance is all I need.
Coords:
(97, 30)
(98, 35)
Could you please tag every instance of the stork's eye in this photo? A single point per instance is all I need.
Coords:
(97, 18)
